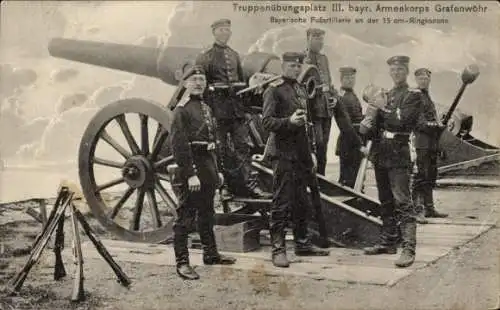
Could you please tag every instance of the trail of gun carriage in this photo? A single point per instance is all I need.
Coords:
(125, 204)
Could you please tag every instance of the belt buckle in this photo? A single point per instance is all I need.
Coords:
(211, 146)
(389, 135)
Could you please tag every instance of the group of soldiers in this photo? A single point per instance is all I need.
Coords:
(299, 129)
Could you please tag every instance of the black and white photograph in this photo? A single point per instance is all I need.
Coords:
(249, 155)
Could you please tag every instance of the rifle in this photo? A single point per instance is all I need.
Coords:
(40, 243)
(314, 187)
(78, 293)
(122, 277)
(59, 270)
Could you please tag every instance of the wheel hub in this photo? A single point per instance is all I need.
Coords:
(138, 171)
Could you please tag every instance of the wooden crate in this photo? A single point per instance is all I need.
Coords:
(238, 233)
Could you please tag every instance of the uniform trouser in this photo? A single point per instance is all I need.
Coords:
(289, 195)
(199, 207)
(322, 128)
(424, 179)
(397, 209)
(349, 167)
(236, 165)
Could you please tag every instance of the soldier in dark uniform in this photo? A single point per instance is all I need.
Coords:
(224, 74)
(193, 142)
(426, 142)
(392, 164)
(350, 155)
(291, 150)
(323, 105)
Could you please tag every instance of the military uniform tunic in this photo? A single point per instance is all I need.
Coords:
(320, 114)
(222, 66)
(348, 149)
(290, 149)
(426, 145)
(391, 159)
(192, 140)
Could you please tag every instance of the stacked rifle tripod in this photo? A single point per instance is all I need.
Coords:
(55, 223)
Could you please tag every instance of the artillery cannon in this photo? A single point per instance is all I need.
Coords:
(142, 169)
(352, 217)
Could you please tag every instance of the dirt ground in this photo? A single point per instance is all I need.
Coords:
(467, 278)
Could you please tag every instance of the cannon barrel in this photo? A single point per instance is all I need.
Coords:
(161, 63)
(166, 63)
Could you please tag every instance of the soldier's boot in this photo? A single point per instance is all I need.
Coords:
(278, 245)
(211, 255)
(430, 210)
(184, 270)
(419, 208)
(388, 239)
(280, 260)
(380, 249)
(407, 257)
(303, 245)
(187, 272)
(253, 187)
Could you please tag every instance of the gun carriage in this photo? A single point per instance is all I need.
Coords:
(351, 217)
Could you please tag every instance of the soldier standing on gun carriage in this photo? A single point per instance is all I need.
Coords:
(349, 153)
(392, 127)
(224, 74)
(324, 105)
(293, 159)
(193, 144)
(426, 143)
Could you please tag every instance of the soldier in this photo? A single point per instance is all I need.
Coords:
(224, 73)
(323, 105)
(426, 142)
(349, 155)
(291, 150)
(391, 158)
(193, 142)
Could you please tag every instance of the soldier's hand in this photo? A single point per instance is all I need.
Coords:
(298, 117)
(194, 183)
(315, 163)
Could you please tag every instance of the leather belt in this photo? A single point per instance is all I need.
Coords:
(395, 135)
(203, 145)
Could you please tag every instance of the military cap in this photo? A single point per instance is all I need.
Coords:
(293, 57)
(221, 22)
(347, 70)
(423, 71)
(399, 60)
(192, 71)
(315, 32)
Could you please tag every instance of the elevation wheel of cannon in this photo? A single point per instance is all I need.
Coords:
(123, 171)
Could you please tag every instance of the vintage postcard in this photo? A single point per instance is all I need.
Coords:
(249, 154)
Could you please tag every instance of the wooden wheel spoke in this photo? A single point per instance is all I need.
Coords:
(128, 135)
(171, 205)
(139, 203)
(153, 205)
(109, 184)
(163, 177)
(112, 142)
(106, 162)
(164, 161)
(120, 203)
(144, 135)
(159, 141)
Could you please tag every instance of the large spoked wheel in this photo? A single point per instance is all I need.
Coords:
(123, 175)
